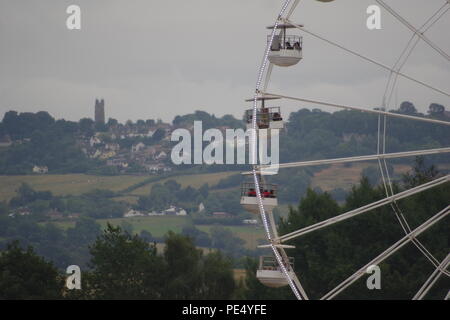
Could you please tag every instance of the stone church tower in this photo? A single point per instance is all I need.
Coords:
(100, 111)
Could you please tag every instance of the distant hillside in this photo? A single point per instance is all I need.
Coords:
(37, 141)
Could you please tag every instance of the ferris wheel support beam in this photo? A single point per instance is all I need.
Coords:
(293, 276)
(287, 21)
(363, 209)
(388, 252)
(395, 155)
(432, 279)
(341, 106)
(413, 29)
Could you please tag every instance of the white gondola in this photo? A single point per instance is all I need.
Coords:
(270, 274)
(286, 50)
(249, 199)
(266, 117)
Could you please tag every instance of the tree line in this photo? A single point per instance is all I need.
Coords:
(122, 266)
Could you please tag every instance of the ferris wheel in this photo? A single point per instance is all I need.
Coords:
(284, 48)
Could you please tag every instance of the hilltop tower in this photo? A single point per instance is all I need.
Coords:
(100, 111)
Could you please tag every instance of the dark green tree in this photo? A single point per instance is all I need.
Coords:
(25, 275)
(124, 267)
(183, 273)
(217, 277)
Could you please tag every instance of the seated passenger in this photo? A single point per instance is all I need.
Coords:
(263, 118)
(276, 44)
(276, 116)
(288, 45)
(251, 193)
(266, 194)
(297, 45)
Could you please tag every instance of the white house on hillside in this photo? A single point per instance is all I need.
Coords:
(175, 211)
(40, 169)
(137, 147)
(133, 213)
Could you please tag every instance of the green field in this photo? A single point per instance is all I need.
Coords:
(250, 234)
(328, 179)
(195, 181)
(65, 184)
(340, 176)
(157, 225)
(76, 184)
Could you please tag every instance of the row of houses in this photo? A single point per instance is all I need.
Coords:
(171, 211)
(104, 146)
(52, 214)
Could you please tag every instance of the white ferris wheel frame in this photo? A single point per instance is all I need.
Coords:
(275, 241)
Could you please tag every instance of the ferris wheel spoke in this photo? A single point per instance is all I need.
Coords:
(363, 209)
(406, 228)
(356, 159)
(432, 279)
(387, 253)
(417, 243)
(291, 11)
(347, 107)
(389, 191)
(268, 74)
(287, 21)
(414, 30)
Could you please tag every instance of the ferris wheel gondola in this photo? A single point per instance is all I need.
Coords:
(266, 117)
(268, 194)
(285, 49)
(270, 274)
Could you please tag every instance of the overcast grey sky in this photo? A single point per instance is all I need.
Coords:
(157, 59)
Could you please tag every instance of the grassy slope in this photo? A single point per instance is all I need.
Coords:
(338, 176)
(65, 184)
(195, 181)
(76, 184)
